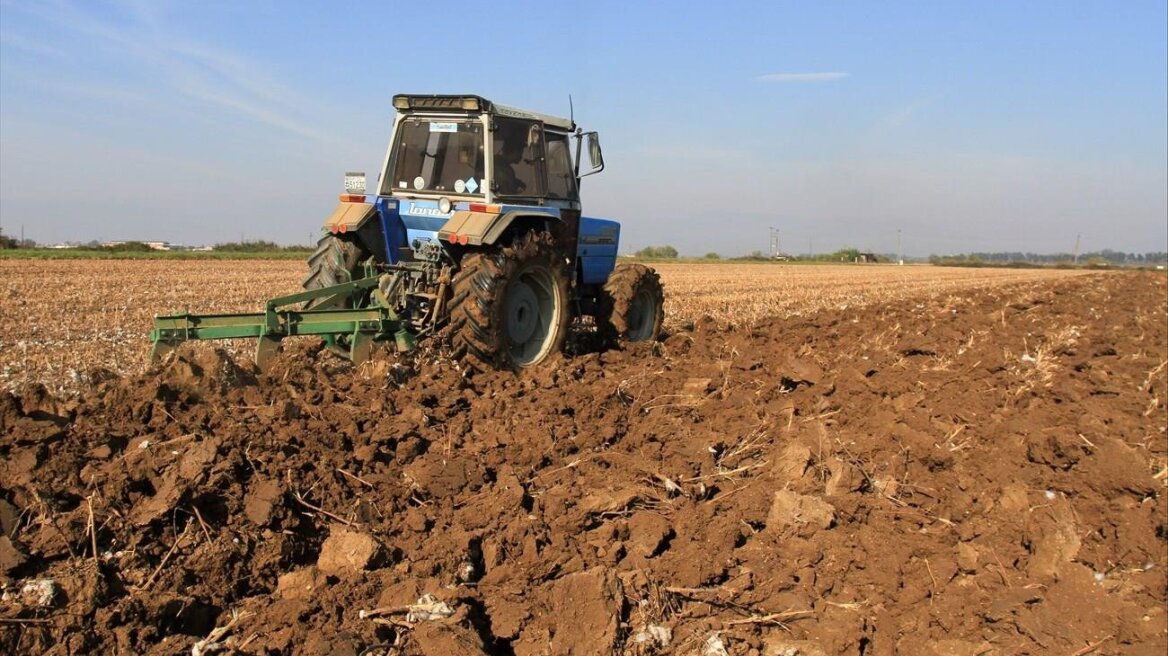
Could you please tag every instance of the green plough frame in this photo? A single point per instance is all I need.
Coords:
(363, 327)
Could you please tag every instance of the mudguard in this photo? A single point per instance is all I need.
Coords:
(596, 251)
(485, 228)
(349, 217)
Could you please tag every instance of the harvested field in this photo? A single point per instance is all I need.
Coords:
(962, 466)
(746, 293)
(60, 319)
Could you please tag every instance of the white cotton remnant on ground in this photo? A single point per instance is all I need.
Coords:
(715, 646)
(654, 634)
(429, 608)
(39, 592)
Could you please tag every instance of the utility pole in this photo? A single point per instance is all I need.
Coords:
(1075, 255)
(899, 252)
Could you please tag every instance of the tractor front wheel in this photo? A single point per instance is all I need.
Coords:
(510, 305)
(633, 304)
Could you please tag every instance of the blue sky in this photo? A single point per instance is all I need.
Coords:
(967, 126)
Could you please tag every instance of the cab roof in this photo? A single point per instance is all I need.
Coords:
(472, 103)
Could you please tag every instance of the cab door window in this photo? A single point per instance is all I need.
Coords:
(561, 177)
(518, 158)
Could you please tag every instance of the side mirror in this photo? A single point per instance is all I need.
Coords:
(595, 157)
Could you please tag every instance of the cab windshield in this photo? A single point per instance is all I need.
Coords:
(438, 156)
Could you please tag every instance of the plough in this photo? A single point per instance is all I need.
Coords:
(360, 328)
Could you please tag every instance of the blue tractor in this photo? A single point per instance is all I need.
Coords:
(474, 232)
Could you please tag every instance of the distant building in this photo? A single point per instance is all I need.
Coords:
(156, 245)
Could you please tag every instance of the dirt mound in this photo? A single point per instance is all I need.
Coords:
(964, 474)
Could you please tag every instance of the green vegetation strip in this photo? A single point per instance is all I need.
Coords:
(80, 254)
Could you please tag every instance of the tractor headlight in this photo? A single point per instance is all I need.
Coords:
(444, 205)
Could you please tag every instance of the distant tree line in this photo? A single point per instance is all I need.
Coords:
(120, 247)
(754, 256)
(846, 254)
(1103, 257)
(657, 253)
(7, 242)
(124, 247)
(258, 246)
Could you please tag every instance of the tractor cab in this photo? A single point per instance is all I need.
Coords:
(463, 171)
(469, 149)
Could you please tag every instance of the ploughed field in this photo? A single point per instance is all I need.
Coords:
(815, 460)
(61, 319)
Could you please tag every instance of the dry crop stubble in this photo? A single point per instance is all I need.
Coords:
(60, 319)
(745, 293)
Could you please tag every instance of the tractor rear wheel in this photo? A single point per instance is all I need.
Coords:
(510, 305)
(335, 261)
(633, 304)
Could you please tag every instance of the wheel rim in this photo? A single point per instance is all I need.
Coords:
(530, 311)
(642, 316)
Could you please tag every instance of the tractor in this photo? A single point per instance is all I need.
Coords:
(474, 232)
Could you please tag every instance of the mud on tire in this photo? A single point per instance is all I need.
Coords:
(335, 261)
(510, 306)
(632, 304)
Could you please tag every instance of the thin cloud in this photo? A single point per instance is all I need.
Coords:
(256, 111)
(194, 70)
(30, 46)
(692, 153)
(828, 76)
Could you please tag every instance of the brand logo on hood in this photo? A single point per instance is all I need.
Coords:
(417, 208)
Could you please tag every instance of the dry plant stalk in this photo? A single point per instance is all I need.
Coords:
(165, 559)
(92, 528)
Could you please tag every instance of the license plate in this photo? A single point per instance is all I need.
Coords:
(355, 182)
